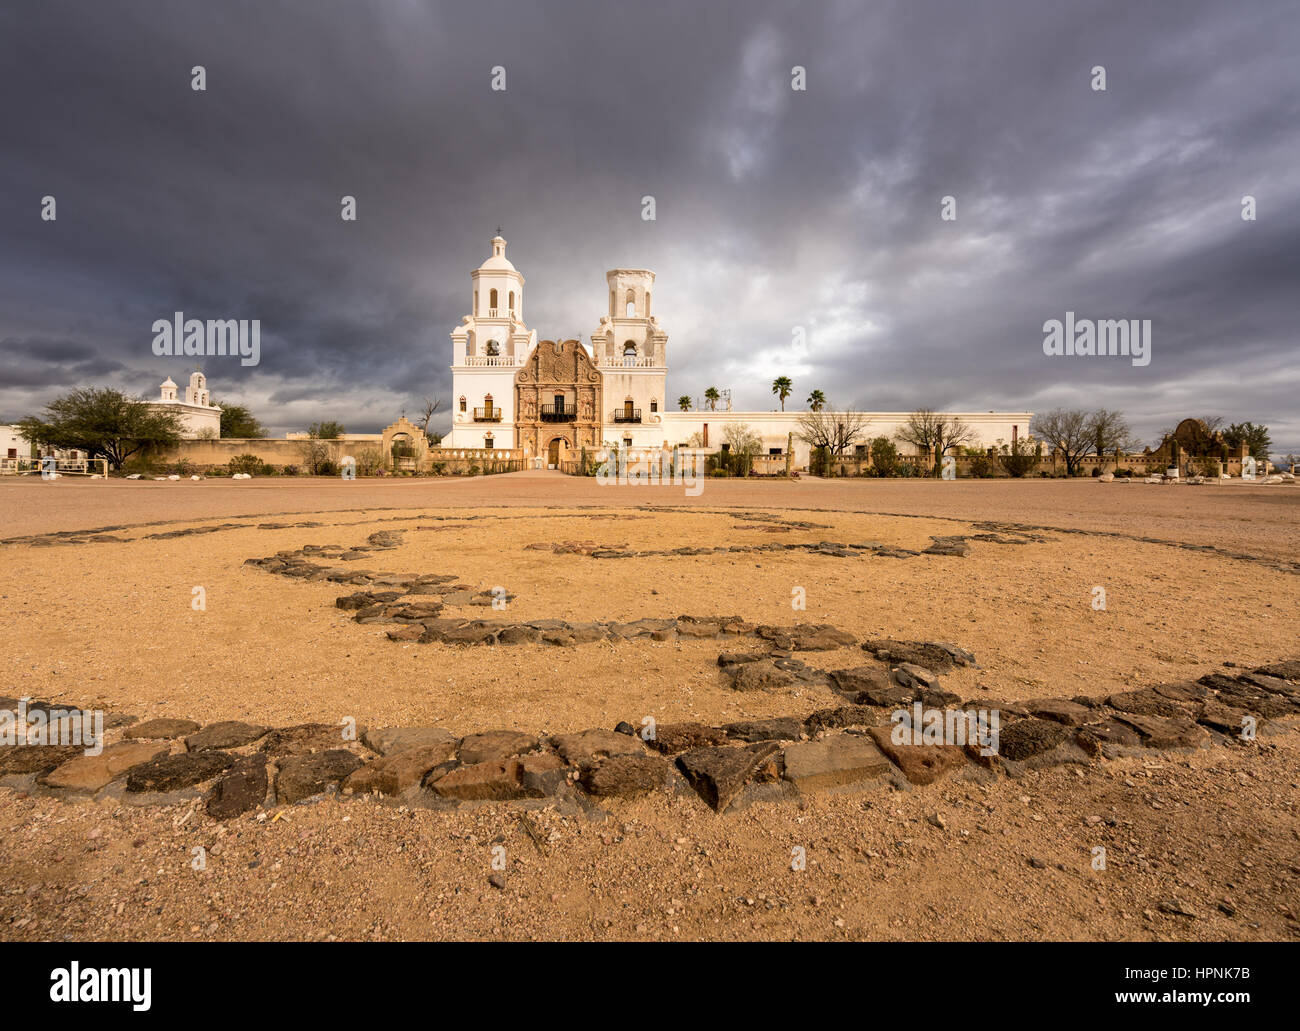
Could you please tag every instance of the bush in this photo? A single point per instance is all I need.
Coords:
(247, 464)
(1019, 461)
(981, 466)
(327, 468)
(884, 457)
(288, 470)
(369, 460)
(1096, 470)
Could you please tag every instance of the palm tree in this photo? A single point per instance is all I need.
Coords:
(781, 387)
(711, 395)
(684, 402)
(816, 400)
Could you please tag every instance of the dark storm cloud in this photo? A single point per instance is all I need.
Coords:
(776, 209)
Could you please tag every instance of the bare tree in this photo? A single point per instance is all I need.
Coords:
(1069, 431)
(1110, 433)
(928, 430)
(835, 432)
(431, 405)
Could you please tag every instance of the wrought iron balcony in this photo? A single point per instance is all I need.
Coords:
(559, 413)
(627, 414)
(487, 414)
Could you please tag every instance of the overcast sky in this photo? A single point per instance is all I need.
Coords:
(775, 208)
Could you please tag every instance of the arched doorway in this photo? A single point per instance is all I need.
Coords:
(555, 451)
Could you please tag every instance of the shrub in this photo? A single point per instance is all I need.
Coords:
(884, 457)
(981, 466)
(247, 464)
(288, 470)
(1019, 461)
(369, 460)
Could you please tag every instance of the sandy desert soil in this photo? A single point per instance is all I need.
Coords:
(1201, 846)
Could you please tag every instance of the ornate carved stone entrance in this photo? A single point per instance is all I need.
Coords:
(557, 400)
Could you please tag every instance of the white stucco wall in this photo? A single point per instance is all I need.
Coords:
(990, 428)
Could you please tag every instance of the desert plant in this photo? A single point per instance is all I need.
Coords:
(247, 464)
(884, 457)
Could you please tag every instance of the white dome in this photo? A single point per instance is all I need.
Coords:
(168, 383)
(498, 262)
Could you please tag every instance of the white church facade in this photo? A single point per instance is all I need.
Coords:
(199, 417)
(547, 397)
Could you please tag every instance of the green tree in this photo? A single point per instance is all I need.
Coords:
(711, 395)
(884, 457)
(326, 430)
(237, 421)
(104, 423)
(782, 388)
(1255, 438)
(684, 402)
(816, 401)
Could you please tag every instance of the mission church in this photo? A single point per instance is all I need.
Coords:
(549, 397)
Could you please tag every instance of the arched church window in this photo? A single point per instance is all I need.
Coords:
(462, 402)
(629, 353)
(512, 302)
(630, 307)
(493, 349)
(647, 304)
(492, 302)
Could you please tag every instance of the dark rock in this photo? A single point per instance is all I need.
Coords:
(519, 634)
(173, 772)
(1163, 732)
(495, 744)
(542, 773)
(938, 657)
(393, 774)
(757, 676)
(671, 738)
(243, 789)
(1286, 669)
(1107, 738)
(226, 734)
(719, 774)
(303, 739)
(843, 716)
(161, 728)
(860, 679)
(587, 745)
(1059, 710)
(387, 740)
(306, 775)
(24, 759)
(1029, 737)
(624, 776)
(498, 780)
(834, 761)
(780, 728)
(1145, 703)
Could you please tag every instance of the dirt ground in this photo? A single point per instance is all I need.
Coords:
(1198, 847)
